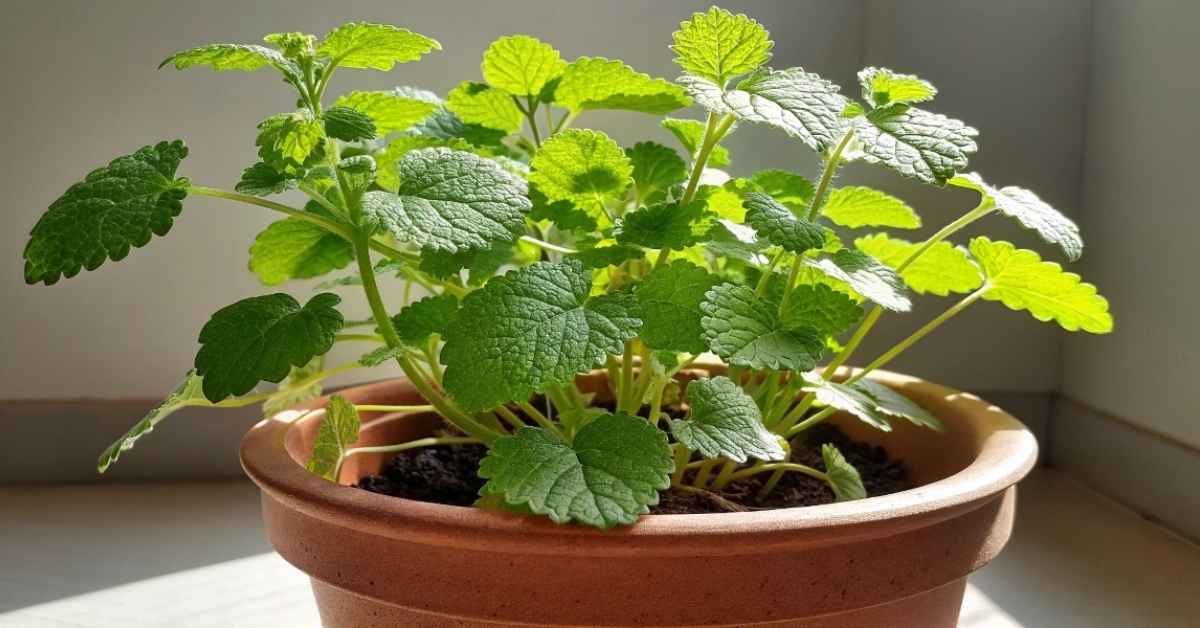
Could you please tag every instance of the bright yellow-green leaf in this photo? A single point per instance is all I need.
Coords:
(857, 206)
(521, 65)
(1019, 279)
(374, 46)
(584, 167)
(339, 430)
(390, 111)
(598, 83)
(719, 45)
(881, 86)
(942, 269)
(689, 133)
(476, 103)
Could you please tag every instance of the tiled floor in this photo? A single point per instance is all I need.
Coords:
(192, 555)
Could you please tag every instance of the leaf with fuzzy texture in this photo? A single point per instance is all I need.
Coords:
(655, 169)
(1029, 210)
(451, 200)
(669, 299)
(477, 103)
(780, 226)
(530, 328)
(926, 146)
(746, 330)
(843, 478)
(802, 104)
(665, 226)
(881, 87)
(790, 189)
(724, 421)
(866, 276)
(291, 142)
(584, 167)
(423, 318)
(348, 124)
(225, 57)
(599, 83)
(719, 45)
(521, 65)
(858, 206)
(1019, 279)
(943, 268)
(390, 110)
(689, 133)
(114, 209)
(297, 249)
(480, 264)
(894, 404)
(847, 398)
(338, 430)
(564, 214)
(822, 308)
(374, 46)
(188, 393)
(263, 180)
(607, 476)
(261, 339)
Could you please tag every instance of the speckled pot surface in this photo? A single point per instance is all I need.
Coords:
(898, 561)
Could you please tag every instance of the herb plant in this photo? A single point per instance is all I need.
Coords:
(546, 251)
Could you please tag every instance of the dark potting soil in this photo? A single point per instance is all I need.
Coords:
(447, 475)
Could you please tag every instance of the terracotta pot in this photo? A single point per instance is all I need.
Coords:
(896, 561)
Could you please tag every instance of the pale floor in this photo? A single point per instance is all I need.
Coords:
(192, 555)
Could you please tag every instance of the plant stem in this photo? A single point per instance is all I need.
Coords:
(765, 281)
(384, 408)
(682, 455)
(811, 421)
(831, 167)
(511, 417)
(272, 205)
(626, 396)
(389, 449)
(725, 476)
(660, 386)
(548, 246)
(565, 121)
(703, 472)
(790, 285)
(541, 419)
(780, 466)
(770, 484)
(530, 112)
(358, 338)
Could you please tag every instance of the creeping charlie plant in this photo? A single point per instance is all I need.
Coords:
(545, 251)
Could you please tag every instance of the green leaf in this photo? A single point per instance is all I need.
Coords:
(725, 422)
(521, 65)
(186, 394)
(477, 103)
(842, 476)
(726, 201)
(1019, 279)
(858, 206)
(719, 45)
(599, 83)
(261, 338)
(293, 45)
(865, 276)
(847, 398)
(689, 133)
(564, 214)
(380, 355)
(1029, 210)
(373, 46)
(114, 209)
(224, 57)
(926, 146)
(338, 431)
(604, 256)
(529, 328)
(390, 110)
(480, 264)
(347, 124)
(665, 225)
(669, 298)
(655, 169)
(263, 180)
(424, 318)
(298, 387)
(790, 189)
(894, 404)
(820, 307)
(297, 249)
(777, 224)
(387, 176)
(881, 87)
(291, 142)
(609, 475)
(584, 167)
(451, 200)
(802, 104)
(746, 330)
(943, 268)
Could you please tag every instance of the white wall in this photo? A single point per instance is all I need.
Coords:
(1141, 218)
(80, 87)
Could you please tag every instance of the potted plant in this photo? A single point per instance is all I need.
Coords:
(603, 331)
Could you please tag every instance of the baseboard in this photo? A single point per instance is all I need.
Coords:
(1147, 472)
(59, 440)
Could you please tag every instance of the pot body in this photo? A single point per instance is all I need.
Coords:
(895, 561)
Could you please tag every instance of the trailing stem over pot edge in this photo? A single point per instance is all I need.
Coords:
(546, 250)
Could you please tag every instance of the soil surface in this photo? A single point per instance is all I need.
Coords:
(447, 475)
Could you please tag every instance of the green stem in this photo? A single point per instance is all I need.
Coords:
(765, 281)
(681, 455)
(703, 472)
(625, 398)
(770, 484)
(530, 112)
(541, 419)
(272, 205)
(511, 417)
(358, 338)
(780, 466)
(811, 421)
(565, 121)
(725, 476)
(548, 246)
(793, 274)
(831, 167)
(390, 449)
(384, 408)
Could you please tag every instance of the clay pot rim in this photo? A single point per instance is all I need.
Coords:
(1007, 454)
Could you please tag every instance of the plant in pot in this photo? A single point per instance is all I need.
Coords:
(603, 331)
